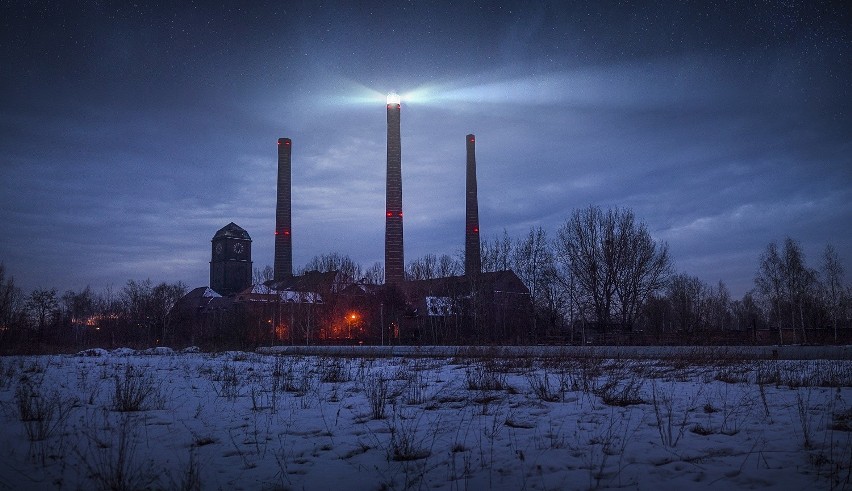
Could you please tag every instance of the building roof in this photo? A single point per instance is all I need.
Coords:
(444, 296)
(194, 301)
(232, 230)
(219, 304)
(312, 281)
(266, 293)
(201, 292)
(497, 281)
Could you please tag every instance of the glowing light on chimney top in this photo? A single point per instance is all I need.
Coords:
(393, 98)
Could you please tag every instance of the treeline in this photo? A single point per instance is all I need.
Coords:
(602, 278)
(135, 315)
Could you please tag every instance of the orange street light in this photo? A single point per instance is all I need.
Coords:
(349, 320)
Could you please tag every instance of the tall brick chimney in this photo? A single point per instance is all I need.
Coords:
(283, 268)
(472, 258)
(394, 259)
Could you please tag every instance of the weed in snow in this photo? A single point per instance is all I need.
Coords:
(136, 390)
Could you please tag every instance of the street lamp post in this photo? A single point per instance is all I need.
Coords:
(349, 320)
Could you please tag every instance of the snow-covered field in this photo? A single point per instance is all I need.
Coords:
(126, 420)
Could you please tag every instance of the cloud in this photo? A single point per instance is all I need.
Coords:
(720, 142)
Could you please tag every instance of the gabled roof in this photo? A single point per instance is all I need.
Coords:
(444, 296)
(196, 299)
(219, 304)
(312, 281)
(267, 293)
(232, 230)
(360, 288)
(201, 292)
(496, 281)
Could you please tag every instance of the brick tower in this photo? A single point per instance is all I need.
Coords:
(472, 258)
(394, 259)
(230, 262)
(283, 267)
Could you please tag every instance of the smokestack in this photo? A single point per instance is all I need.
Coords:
(472, 258)
(283, 233)
(394, 261)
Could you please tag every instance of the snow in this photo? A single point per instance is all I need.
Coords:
(300, 297)
(240, 420)
(158, 351)
(290, 296)
(124, 352)
(209, 293)
(440, 306)
(93, 352)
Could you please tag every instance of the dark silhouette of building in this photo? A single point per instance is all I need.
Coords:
(283, 267)
(484, 308)
(394, 258)
(230, 263)
(472, 254)
(331, 307)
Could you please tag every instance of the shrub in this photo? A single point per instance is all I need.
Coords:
(376, 387)
(136, 391)
(614, 393)
(670, 427)
(229, 382)
(540, 384)
(404, 444)
(41, 414)
(112, 461)
(334, 370)
(484, 376)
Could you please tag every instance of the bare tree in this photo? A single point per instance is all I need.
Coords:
(163, 298)
(685, 295)
(261, 276)
(614, 261)
(718, 307)
(110, 315)
(43, 307)
(448, 266)
(11, 302)
(567, 296)
(725, 306)
(430, 266)
(422, 268)
(348, 268)
(785, 280)
(375, 274)
(642, 265)
(496, 253)
(832, 285)
(747, 313)
(769, 282)
(800, 282)
(135, 299)
(78, 306)
(584, 249)
(532, 261)
(147, 308)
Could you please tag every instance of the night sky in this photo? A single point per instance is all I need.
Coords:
(129, 134)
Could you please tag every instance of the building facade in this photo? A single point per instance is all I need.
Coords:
(230, 260)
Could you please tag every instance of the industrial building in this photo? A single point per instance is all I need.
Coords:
(327, 307)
